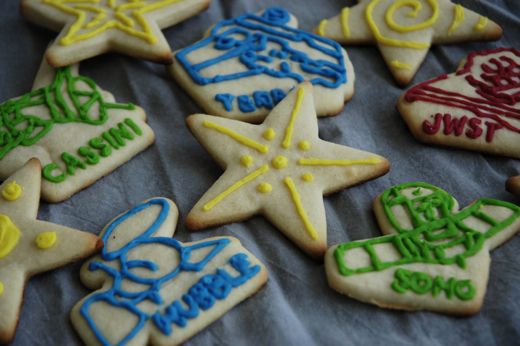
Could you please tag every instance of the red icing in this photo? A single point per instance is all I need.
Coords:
(498, 87)
(456, 126)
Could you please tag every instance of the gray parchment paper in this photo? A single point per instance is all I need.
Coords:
(296, 307)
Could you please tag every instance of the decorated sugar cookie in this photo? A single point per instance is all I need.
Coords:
(280, 169)
(475, 108)
(93, 27)
(404, 30)
(433, 256)
(77, 131)
(513, 185)
(29, 246)
(246, 65)
(153, 289)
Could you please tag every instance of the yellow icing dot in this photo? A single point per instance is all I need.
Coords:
(279, 162)
(247, 160)
(264, 188)
(1, 288)
(12, 191)
(308, 177)
(269, 134)
(304, 145)
(9, 235)
(46, 240)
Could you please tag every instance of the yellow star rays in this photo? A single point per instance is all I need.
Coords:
(413, 25)
(283, 158)
(94, 17)
(29, 246)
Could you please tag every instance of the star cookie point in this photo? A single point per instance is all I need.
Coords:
(288, 175)
(405, 30)
(29, 246)
(90, 28)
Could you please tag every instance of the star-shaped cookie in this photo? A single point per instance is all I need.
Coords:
(93, 27)
(513, 185)
(154, 290)
(280, 169)
(404, 30)
(76, 129)
(29, 246)
(433, 256)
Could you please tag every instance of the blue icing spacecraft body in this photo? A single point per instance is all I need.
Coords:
(264, 45)
(123, 269)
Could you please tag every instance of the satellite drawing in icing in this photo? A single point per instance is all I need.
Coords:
(433, 256)
(153, 289)
(247, 64)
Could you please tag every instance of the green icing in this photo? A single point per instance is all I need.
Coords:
(65, 104)
(436, 235)
(422, 283)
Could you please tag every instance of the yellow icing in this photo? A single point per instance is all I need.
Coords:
(416, 6)
(307, 177)
(299, 208)
(82, 29)
(247, 160)
(458, 18)
(1, 288)
(280, 162)
(304, 145)
(481, 24)
(9, 235)
(269, 134)
(264, 188)
(296, 109)
(46, 240)
(12, 191)
(311, 161)
(237, 137)
(344, 22)
(321, 27)
(245, 180)
(400, 65)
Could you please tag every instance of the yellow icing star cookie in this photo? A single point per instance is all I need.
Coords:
(29, 246)
(280, 169)
(93, 27)
(404, 30)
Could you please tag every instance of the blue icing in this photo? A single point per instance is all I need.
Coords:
(245, 104)
(263, 99)
(226, 100)
(277, 95)
(200, 296)
(264, 44)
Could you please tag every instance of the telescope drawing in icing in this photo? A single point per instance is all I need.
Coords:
(149, 282)
(430, 248)
(249, 63)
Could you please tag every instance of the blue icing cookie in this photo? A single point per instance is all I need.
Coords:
(152, 281)
(253, 60)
